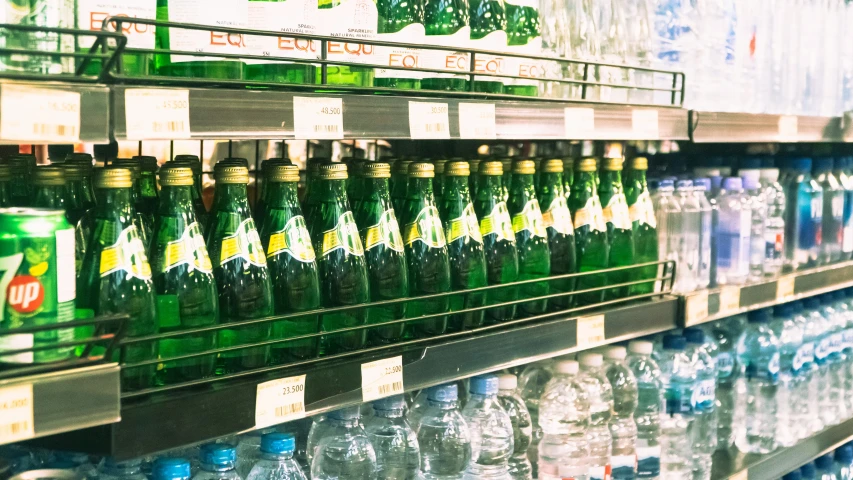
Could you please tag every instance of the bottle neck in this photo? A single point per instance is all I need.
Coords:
(374, 188)
(113, 201)
(441, 405)
(420, 187)
(176, 200)
(231, 197)
(148, 184)
(551, 180)
(281, 195)
(344, 422)
(611, 177)
(489, 186)
(49, 196)
(457, 187)
(522, 187)
(277, 456)
(217, 467)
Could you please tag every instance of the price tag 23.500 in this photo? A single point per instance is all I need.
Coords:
(318, 117)
(157, 113)
(280, 401)
(382, 378)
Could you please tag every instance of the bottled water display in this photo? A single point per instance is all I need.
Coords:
(703, 431)
(394, 441)
(650, 404)
(217, 461)
(276, 462)
(444, 439)
(678, 377)
(600, 396)
(491, 430)
(623, 426)
(344, 450)
(564, 419)
(520, 467)
(758, 352)
(531, 385)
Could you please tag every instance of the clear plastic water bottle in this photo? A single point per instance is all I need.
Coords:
(319, 426)
(217, 462)
(129, 470)
(650, 404)
(678, 377)
(277, 461)
(668, 217)
(417, 408)
(808, 471)
(843, 174)
(733, 234)
(249, 450)
(843, 305)
(344, 451)
(806, 312)
(522, 428)
(837, 361)
(531, 386)
(803, 215)
(758, 211)
(394, 441)
(825, 467)
(829, 410)
(703, 402)
(833, 211)
(170, 468)
(774, 224)
(687, 273)
(77, 462)
(623, 427)
(790, 428)
(443, 436)
(758, 352)
(491, 430)
(674, 42)
(600, 396)
(300, 430)
(726, 333)
(564, 419)
(701, 189)
(844, 462)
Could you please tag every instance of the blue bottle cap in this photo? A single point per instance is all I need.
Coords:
(822, 164)
(665, 184)
(278, 443)
(217, 454)
(823, 462)
(734, 184)
(346, 413)
(170, 468)
(684, 184)
(808, 470)
(844, 454)
(795, 475)
(484, 384)
(749, 162)
(694, 335)
(811, 303)
(674, 342)
(759, 316)
(783, 311)
(801, 164)
(826, 299)
(448, 392)
(702, 184)
(394, 402)
(750, 183)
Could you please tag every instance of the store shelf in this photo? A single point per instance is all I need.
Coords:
(733, 465)
(172, 419)
(708, 127)
(709, 305)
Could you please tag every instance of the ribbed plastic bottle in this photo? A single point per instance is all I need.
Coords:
(758, 352)
(531, 386)
(678, 378)
(277, 462)
(703, 432)
(726, 333)
(393, 440)
(564, 420)
(791, 427)
(443, 436)
(650, 404)
(600, 395)
(344, 451)
(810, 393)
(623, 427)
(522, 427)
(491, 431)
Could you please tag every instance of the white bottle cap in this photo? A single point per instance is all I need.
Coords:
(615, 353)
(750, 173)
(507, 381)
(566, 367)
(641, 347)
(769, 175)
(591, 359)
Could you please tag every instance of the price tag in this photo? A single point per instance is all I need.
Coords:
(729, 299)
(590, 331)
(785, 287)
(157, 113)
(644, 123)
(788, 128)
(318, 117)
(696, 308)
(428, 120)
(579, 122)
(382, 378)
(16, 413)
(35, 114)
(477, 121)
(279, 401)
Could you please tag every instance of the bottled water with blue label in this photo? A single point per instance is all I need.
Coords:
(491, 430)
(678, 377)
(703, 431)
(725, 334)
(825, 467)
(564, 419)
(733, 234)
(277, 461)
(844, 462)
(344, 451)
(394, 441)
(790, 426)
(167, 468)
(758, 211)
(650, 404)
(832, 229)
(805, 362)
(623, 427)
(522, 428)
(600, 396)
(129, 470)
(217, 461)
(803, 216)
(774, 225)
(443, 436)
(531, 386)
(758, 352)
(843, 305)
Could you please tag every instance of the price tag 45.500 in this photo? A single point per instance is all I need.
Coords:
(157, 113)
(382, 378)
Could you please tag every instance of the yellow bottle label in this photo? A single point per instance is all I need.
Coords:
(558, 217)
(465, 226)
(187, 250)
(293, 240)
(245, 244)
(616, 212)
(426, 228)
(386, 232)
(530, 219)
(642, 210)
(127, 254)
(590, 215)
(344, 235)
(498, 223)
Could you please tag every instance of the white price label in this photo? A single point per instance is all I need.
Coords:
(729, 299)
(16, 413)
(382, 378)
(318, 117)
(590, 331)
(35, 114)
(280, 401)
(785, 287)
(788, 128)
(579, 122)
(428, 120)
(644, 123)
(696, 308)
(477, 121)
(157, 113)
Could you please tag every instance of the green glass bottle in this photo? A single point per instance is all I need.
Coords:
(341, 265)
(5, 186)
(48, 188)
(446, 23)
(399, 183)
(144, 218)
(438, 181)
(311, 199)
(259, 212)
(400, 21)
(349, 20)
(287, 16)
(194, 163)
(592, 248)
(506, 178)
(149, 196)
(79, 201)
(383, 251)
(241, 272)
(474, 168)
(227, 13)
(292, 264)
(568, 174)
(523, 37)
(643, 223)
(355, 180)
(184, 281)
(561, 232)
(531, 237)
(619, 232)
(426, 252)
(91, 15)
(488, 32)
(115, 277)
(21, 186)
(498, 240)
(464, 247)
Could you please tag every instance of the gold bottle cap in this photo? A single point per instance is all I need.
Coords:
(332, 171)
(640, 163)
(439, 166)
(401, 167)
(5, 172)
(613, 164)
(116, 177)
(176, 176)
(524, 167)
(231, 174)
(375, 170)
(457, 168)
(474, 165)
(421, 170)
(568, 163)
(20, 164)
(492, 168)
(282, 173)
(554, 165)
(588, 164)
(48, 176)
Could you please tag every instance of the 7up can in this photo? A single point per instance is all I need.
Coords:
(37, 283)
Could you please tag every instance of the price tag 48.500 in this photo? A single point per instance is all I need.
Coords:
(318, 117)
(382, 378)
